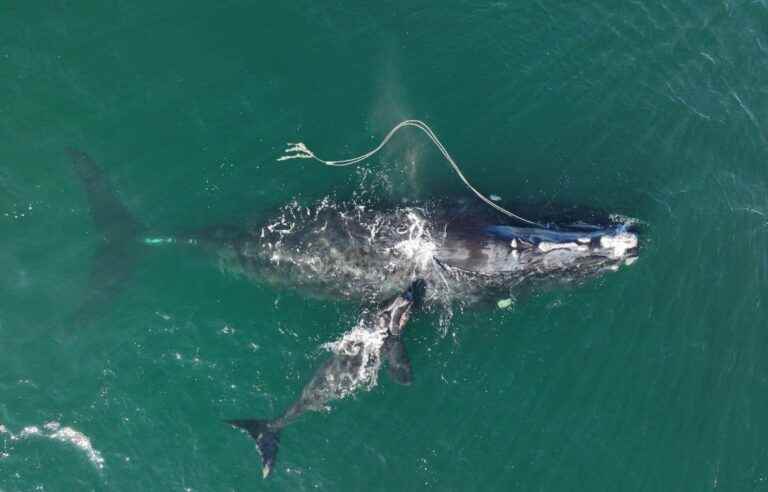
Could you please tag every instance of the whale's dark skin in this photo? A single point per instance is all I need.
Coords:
(117, 253)
(346, 371)
(464, 253)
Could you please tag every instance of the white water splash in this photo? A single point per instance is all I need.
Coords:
(419, 248)
(54, 431)
(365, 341)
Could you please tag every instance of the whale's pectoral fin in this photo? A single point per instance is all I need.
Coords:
(398, 363)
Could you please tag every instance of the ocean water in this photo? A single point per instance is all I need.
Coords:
(652, 378)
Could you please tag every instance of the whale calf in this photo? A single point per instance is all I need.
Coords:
(352, 366)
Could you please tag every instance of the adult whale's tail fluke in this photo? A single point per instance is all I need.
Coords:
(118, 233)
(267, 437)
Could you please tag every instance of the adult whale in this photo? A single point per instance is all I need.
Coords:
(464, 252)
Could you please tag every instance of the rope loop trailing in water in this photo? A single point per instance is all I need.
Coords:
(300, 151)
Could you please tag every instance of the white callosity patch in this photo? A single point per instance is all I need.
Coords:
(619, 244)
(53, 430)
(547, 247)
(624, 220)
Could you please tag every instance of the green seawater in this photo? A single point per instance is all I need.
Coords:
(652, 378)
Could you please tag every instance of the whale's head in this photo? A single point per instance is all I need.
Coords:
(574, 251)
(582, 249)
(395, 313)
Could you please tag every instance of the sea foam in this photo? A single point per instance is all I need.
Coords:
(54, 431)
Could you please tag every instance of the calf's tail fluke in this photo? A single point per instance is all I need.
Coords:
(267, 437)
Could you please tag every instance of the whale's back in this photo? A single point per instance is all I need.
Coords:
(349, 251)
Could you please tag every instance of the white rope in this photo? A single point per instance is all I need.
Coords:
(300, 151)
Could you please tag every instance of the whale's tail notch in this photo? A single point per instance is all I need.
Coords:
(118, 231)
(267, 437)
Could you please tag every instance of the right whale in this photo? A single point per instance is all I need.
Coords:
(352, 366)
(464, 252)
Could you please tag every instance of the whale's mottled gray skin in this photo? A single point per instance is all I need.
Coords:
(349, 369)
(465, 255)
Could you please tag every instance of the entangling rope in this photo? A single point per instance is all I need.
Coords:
(300, 151)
